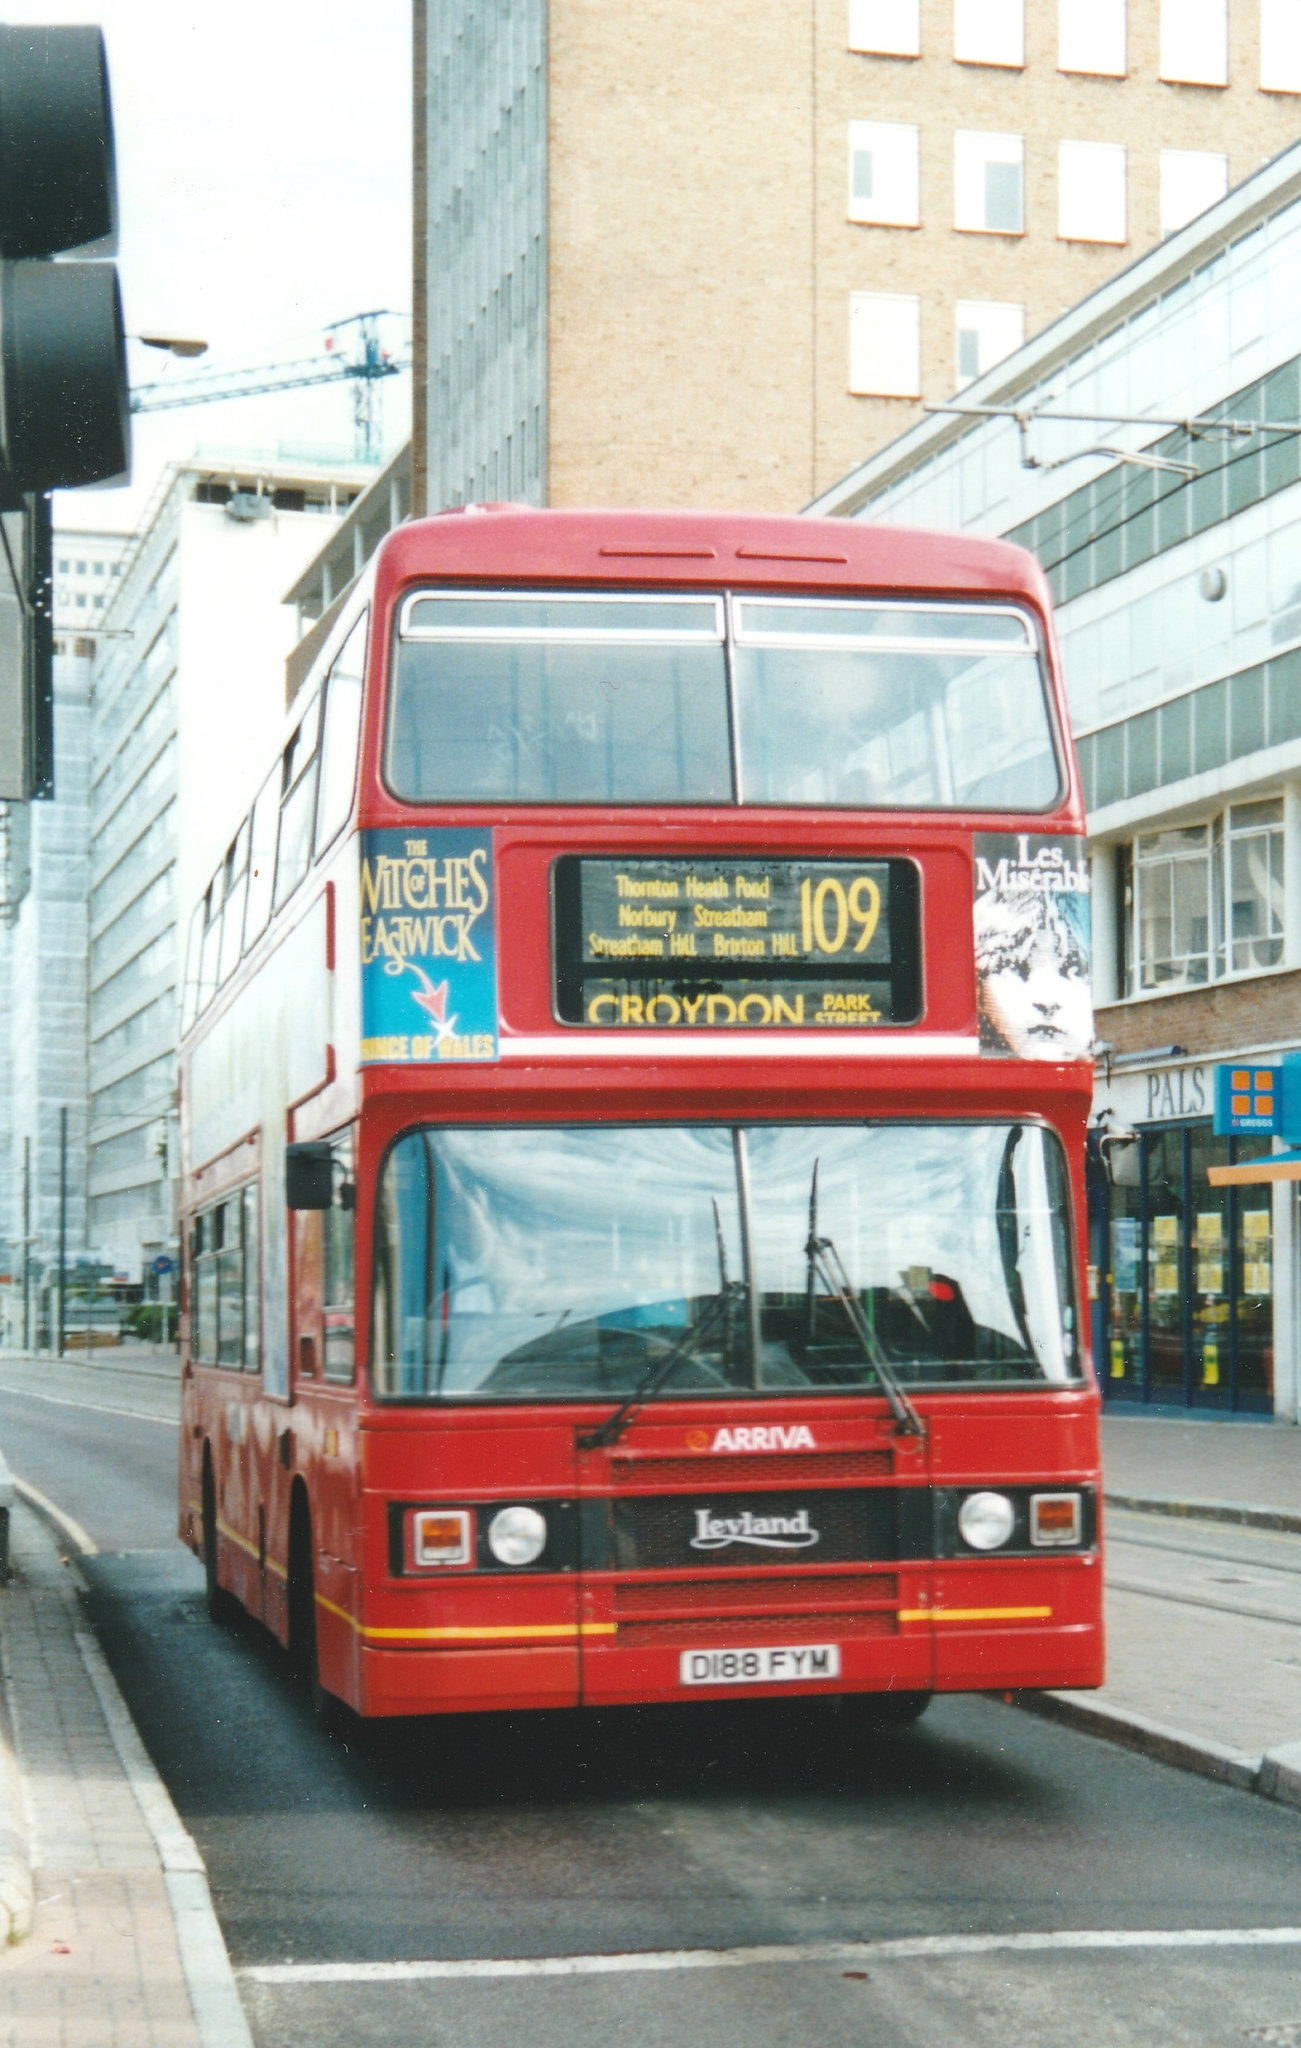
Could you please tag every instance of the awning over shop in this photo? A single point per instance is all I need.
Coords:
(1253, 1172)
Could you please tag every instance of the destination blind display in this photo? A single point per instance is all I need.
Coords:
(715, 944)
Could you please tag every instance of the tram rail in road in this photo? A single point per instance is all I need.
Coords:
(1222, 1567)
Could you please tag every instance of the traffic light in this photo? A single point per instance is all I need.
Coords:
(64, 410)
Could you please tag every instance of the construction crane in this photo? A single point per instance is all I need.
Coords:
(364, 368)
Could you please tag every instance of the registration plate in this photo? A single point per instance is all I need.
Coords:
(792, 1664)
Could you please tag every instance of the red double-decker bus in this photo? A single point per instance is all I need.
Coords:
(634, 1088)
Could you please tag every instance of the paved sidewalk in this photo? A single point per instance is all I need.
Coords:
(1164, 1459)
(124, 1950)
(1203, 1600)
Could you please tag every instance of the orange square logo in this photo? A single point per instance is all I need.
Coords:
(1240, 1078)
(1265, 1081)
(1240, 1105)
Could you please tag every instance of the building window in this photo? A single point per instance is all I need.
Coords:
(986, 332)
(883, 185)
(885, 344)
(886, 28)
(1280, 45)
(1091, 37)
(1191, 180)
(988, 183)
(989, 32)
(1195, 42)
(1090, 192)
(1208, 899)
(1172, 907)
(1254, 880)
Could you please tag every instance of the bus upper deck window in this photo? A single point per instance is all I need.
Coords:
(560, 699)
(868, 704)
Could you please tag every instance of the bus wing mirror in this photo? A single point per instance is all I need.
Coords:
(1120, 1154)
(309, 1176)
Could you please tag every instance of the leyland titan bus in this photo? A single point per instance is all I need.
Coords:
(634, 1088)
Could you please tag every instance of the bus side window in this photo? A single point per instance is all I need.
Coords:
(210, 951)
(204, 1272)
(252, 1280)
(297, 804)
(236, 877)
(341, 731)
(262, 857)
(337, 1291)
(230, 1282)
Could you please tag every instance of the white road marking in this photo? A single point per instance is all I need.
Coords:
(909, 1949)
(80, 1538)
(95, 1407)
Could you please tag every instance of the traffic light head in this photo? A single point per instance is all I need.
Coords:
(64, 418)
(57, 187)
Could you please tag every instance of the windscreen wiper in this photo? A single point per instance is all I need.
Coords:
(826, 1264)
(717, 1312)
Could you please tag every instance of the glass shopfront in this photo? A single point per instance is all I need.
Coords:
(1182, 1277)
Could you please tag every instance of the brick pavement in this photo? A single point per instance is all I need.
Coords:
(101, 1967)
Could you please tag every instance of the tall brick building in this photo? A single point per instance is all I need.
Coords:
(716, 253)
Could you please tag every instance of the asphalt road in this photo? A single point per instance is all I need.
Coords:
(686, 1832)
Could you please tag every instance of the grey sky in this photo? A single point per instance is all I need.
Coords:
(264, 190)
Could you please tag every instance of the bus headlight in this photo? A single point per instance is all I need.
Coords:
(986, 1520)
(517, 1535)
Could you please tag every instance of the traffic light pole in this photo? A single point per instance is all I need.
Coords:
(63, 1226)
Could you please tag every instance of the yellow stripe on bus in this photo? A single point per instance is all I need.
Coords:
(250, 1549)
(975, 1614)
(568, 1631)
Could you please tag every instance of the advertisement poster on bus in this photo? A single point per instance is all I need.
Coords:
(428, 945)
(1031, 908)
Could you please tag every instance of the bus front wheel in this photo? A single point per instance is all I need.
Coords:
(334, 1717)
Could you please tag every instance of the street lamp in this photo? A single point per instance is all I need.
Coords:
(172, 344)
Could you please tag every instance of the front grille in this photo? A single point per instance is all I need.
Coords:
(755, 1628)
(746, 1468)
(770, 1595)
(664, 1532)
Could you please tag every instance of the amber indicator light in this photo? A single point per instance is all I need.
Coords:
(440, 1537)
(1054, 1518)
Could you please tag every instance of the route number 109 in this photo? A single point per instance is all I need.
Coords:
(828, 911)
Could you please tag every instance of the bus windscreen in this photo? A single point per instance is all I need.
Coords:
(818, 703)
(564, 1262)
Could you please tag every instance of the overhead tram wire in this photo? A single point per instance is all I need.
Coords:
(1195, 429)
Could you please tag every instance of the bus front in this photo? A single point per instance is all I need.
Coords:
(725, 1027)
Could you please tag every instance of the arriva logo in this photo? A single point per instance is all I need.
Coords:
(764, 1532)
(796, 1436)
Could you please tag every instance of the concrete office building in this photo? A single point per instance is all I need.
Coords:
(691, 255)
(44, 854)
(189, 690)
(86, 567)
(1179, 605)
(43, 990)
